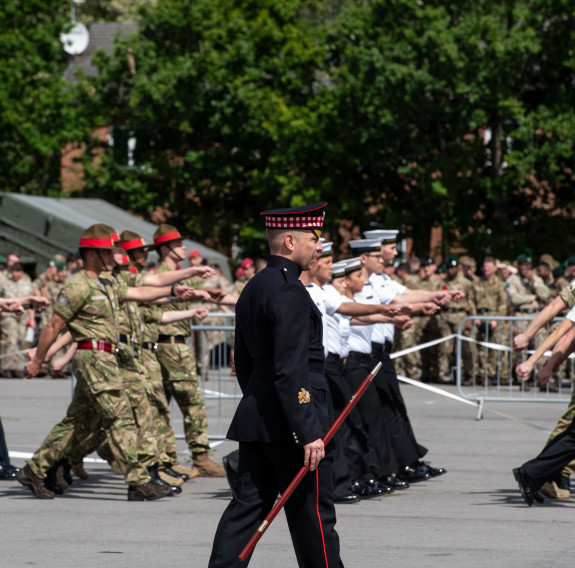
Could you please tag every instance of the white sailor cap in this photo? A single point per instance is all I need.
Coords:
(364, 246)
(326, 249)
(353, 265)
(386, 237)
(338, 269)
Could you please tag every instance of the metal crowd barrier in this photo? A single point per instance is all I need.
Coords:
(212, 341)
(482, 342)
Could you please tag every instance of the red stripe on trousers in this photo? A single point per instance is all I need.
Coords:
(319, 516)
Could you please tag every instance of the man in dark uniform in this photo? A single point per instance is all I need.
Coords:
(283, 415)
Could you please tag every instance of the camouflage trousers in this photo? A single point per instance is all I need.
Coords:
(99, 405)
(149, 454)
(159, 409)
(433, 359)
(181, 383)
(450, 323)
(408, 365)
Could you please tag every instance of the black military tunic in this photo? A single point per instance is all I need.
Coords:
(279, 363)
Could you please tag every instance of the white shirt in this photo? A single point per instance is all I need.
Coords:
(338, 328)
(385, 289)
(571, 315)
(360, 335)
(328, 302)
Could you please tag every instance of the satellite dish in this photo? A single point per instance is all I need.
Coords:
(76, 40)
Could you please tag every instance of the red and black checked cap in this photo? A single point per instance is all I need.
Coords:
(305, 217)
(98, 237)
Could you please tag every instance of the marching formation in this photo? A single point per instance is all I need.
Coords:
(128, 332)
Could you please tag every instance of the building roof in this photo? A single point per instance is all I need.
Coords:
(39, 227)
(103, 35)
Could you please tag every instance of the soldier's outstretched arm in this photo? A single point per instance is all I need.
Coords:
(53, 328)
(151, 293)
(524, 369)
(563, 348)
(550, 311)
(173, 276)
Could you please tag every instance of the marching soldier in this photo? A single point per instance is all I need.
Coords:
(178, 363)
(282, 415)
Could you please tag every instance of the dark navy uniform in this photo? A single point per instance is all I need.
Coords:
(279, 360)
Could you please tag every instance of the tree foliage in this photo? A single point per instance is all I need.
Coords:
(36, 113)
(398, 113)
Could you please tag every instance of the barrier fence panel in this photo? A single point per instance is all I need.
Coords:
(486, 360)
(212, 341)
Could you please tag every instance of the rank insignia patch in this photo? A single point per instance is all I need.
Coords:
(303, 396)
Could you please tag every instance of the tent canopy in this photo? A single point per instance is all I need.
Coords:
(37, 228)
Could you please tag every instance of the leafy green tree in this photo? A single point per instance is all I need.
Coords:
(37, 116)
(396, 112)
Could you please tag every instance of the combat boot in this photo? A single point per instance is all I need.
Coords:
(207, 467)
(148, 492)
(183, 470)
(63, 477)
(158, 480)
(105, 452)
(50, 480)
(29, 479)
(79, 471)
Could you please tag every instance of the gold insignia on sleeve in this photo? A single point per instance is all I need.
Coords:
(303, 396)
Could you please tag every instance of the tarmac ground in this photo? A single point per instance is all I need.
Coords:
(472, 517)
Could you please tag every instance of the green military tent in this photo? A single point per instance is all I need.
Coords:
(37, 228)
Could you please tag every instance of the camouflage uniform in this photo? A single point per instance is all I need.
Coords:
(166, 439)
(89, 305)
(490, 299)
(451, 316)
(567, 294)
(428, 328)
(526, 299)
(408, 365)
(13, 327)
(179, 374)
(52, 290)
(211, 338)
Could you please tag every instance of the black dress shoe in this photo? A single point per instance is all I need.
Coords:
(433, 471)
(394, 482)
(376, 484)
(8, 471)
(366, 490)
(412, 475)
(175, 474)
(528, 493)
(350, 498)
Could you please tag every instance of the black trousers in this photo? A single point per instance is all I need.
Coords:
(354, 455)
(394, 414)
(547, 466)
(4, 458)
(358, 366)
(264, 471)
